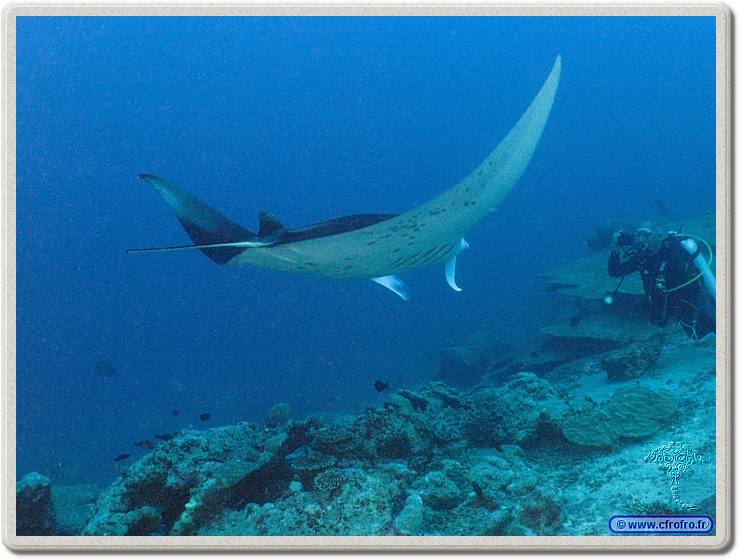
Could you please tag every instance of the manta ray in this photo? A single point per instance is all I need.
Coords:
(369, 246)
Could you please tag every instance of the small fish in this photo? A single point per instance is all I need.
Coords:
(164, 437)
(576, 319)
(144, 444)
(175, 412)
(104, 369)
(204, 417)
(380, 386)
(121, 457)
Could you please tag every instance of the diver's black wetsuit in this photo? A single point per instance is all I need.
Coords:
(670, 267)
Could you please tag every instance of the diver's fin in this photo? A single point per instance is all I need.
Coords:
(451, 263)
(213, 233)
(394, 284)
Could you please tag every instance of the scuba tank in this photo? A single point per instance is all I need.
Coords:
(710, 282)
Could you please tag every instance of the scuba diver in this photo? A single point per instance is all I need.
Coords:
(678, 283)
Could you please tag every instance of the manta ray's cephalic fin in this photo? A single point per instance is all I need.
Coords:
(394, 284)
(450, 264)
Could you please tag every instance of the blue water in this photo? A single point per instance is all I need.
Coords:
(311, 119)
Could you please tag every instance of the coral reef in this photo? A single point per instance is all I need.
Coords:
(329, 480)
(521, 456)
(277, 414)
(410, 519)
(516, 413)
(437, 491)
(34, 506)
(631, 412)
(632, 362)
(199, 480)
(184, 480)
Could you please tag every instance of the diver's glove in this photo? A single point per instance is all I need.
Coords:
(615, 242)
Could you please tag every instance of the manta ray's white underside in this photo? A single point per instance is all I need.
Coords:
(427, 234)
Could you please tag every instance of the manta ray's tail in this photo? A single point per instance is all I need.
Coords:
(203, 224)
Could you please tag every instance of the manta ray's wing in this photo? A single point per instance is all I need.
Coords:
(213, 233)
(373, 246)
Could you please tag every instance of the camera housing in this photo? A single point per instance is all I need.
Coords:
(626, 238)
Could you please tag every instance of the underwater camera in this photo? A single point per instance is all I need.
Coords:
(626, 238)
